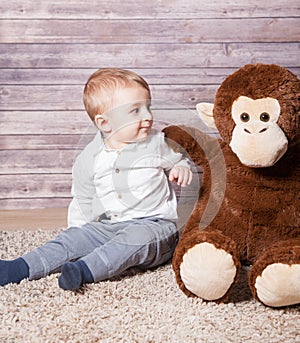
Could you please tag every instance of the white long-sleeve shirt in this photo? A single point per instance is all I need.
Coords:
(124, 184)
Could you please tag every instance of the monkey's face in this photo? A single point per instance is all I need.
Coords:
(257, 113)
(257, 139)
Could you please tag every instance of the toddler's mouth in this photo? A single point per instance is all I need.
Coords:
(146, 128)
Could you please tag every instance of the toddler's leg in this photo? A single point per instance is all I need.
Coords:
(145, 243)
(69, 245)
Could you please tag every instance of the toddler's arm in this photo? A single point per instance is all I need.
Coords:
(80, 209)
(179, 166)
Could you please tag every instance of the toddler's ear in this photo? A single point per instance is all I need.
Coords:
(102, 123)
(205, 111)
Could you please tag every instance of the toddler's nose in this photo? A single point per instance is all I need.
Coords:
(147, 115)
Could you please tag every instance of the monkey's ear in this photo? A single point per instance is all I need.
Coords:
(205, 111)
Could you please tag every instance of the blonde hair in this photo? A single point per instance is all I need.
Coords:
(99, 89)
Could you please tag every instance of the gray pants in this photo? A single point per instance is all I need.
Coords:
(107, 249)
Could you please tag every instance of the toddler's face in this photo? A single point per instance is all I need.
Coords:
(130, 120)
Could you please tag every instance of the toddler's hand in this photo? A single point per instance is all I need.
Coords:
(183, 175)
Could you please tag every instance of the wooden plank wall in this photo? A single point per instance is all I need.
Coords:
(183, 48)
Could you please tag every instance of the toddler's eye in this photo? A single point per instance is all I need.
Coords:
(135, 110)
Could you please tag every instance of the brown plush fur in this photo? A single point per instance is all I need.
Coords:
(258, 222)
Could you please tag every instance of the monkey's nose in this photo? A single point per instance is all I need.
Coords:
(261, 131)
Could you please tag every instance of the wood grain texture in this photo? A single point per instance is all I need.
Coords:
(115, 9)
(44, 142)
(184, 49)
(36, 161)
(79, 76)
(43, 123)
(150, 31)
(154, 76)
(218, 55)
(32, 203)
(35, 186)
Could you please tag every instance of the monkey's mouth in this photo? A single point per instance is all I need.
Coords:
(264, 159)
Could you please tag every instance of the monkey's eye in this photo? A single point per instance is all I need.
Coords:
(265, 117)
(245, 117)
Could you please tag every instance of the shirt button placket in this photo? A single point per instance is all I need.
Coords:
(119, 195)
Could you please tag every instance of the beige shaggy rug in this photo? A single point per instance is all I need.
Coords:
(135, 307)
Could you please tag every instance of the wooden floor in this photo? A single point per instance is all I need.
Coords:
(49, 218)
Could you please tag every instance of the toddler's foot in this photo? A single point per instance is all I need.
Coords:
(13, 271)
(74, 275)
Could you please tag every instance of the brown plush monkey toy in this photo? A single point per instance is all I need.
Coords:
(248, 208)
